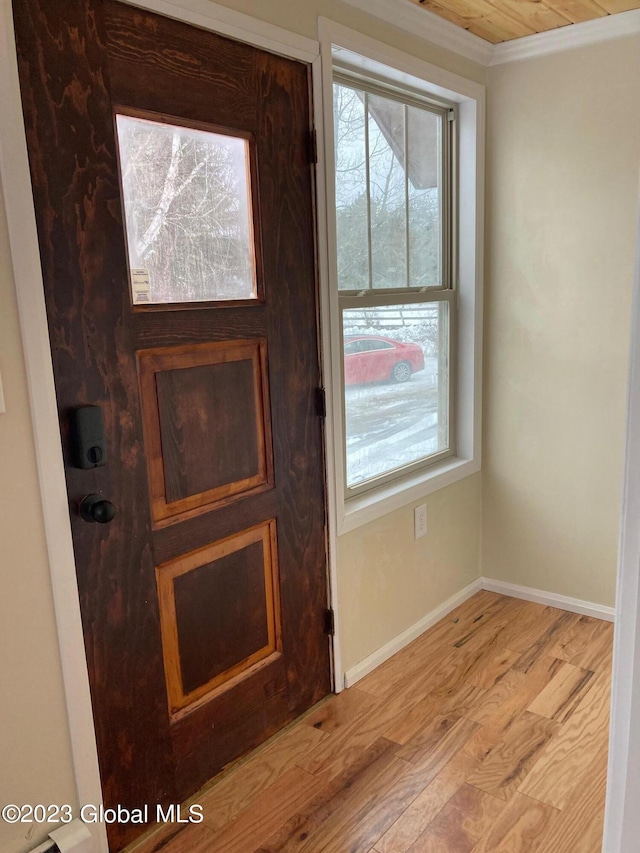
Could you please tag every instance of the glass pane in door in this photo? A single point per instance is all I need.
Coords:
(188, 213)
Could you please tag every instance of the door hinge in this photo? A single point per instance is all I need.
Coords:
(321, 403)
(313, 146)
(329, 622)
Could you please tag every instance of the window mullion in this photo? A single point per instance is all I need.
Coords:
(406, 195)
(368, 182)
(443, 202)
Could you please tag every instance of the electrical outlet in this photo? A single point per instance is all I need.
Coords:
(420, 521)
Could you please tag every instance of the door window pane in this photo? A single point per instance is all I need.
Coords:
(188, 213)
(396, 371)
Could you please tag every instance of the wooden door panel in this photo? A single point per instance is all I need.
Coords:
(146, 48)
(220, 615)
(174, 699)
(228, 415)
(189, 326)
(233, 635)
(232, 460)
(247, 705)
(207, 425)
(195, 754)
(200, 530)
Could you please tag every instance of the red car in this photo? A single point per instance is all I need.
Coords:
(373, 358)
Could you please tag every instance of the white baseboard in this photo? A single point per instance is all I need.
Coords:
(551, 599)
(527, 593)
(393, 646)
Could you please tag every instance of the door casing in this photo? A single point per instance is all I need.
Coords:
(14, 170)
(622, 821)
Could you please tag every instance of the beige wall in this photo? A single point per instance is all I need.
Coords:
(564, 150)
(35, 753)
(387, 581)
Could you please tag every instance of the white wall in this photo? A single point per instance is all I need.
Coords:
(387, 580)
(564, 150)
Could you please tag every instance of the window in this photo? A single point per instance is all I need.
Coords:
(402, 293)
(394, 191)
(188, 211)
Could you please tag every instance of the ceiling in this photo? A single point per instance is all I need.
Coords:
(503, 20)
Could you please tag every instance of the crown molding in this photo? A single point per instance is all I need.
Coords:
(568, 38)
(407, 16)
(425, 24)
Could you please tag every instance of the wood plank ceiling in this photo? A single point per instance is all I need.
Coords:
(503, 20)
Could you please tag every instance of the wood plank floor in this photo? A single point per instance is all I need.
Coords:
(488, 734)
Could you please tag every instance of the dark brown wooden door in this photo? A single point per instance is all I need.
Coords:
(191, 324)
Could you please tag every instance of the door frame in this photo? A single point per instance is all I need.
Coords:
(25, 259)
(622, 820)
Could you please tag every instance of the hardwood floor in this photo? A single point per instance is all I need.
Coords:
(488, 734)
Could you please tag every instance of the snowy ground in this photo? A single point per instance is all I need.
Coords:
(391, 425)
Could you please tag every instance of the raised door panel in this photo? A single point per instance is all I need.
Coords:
(205, 410)
(220, 615)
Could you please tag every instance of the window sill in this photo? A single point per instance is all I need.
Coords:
(369, 506)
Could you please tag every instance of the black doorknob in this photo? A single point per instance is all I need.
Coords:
(96, 508)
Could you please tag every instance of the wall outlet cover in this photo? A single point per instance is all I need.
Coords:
(420, 521)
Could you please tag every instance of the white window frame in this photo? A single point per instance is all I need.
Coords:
(440, 293)
(350, 50)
